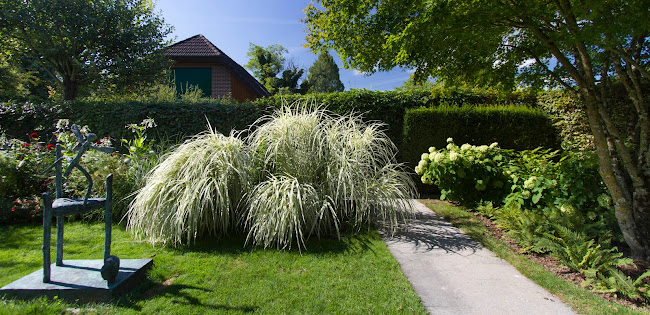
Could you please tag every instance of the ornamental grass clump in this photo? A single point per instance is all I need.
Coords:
(195, 191)
(299, 173)
(322, 172)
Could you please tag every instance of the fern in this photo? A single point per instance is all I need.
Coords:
(617, 283)
(579, 253)
(525, 227)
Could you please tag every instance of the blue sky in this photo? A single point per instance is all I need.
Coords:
(231, 25)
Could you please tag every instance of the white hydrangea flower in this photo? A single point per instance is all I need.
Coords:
(494, 145)
(465, 146)
(438, 157)
(483, 148)
(566, 208)
(450, 146)
(453, 156)
(423, 164)
(425, 157)
(526, 194)
(418, 170)
(432, 149)
(530, 182)
(450, 140)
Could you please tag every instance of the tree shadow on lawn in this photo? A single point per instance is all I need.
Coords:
(428, 231)
(178, 293)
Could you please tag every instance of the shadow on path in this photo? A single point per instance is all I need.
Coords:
(427, 231)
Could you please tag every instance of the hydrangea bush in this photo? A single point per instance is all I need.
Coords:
(467, 174)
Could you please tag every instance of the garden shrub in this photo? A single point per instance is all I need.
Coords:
(22, 180)
(467, 174)
(390, 106)
(513, 127)
(553, 203)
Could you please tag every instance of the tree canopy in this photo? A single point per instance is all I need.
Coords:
(585, 47)
(106, 44)
(324, 75)
(269, 62)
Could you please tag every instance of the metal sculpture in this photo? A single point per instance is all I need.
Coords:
(61, 206)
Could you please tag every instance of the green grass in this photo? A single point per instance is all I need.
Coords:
(581, 300)
(354, 275)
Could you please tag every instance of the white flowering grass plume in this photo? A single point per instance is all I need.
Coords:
(322, 172)
(195, 191)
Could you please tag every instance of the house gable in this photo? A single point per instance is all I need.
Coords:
(226, 76)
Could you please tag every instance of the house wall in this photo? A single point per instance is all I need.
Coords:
(224, 82)
(240, 91)
(221, 83)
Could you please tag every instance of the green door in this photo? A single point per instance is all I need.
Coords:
(201, 77)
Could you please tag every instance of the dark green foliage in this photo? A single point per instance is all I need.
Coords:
(513, 127)
(579, 252)
(324, 75)
(107, 45)
(174, 120)
(390, 106)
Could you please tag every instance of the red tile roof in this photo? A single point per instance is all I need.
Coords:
(195, 46)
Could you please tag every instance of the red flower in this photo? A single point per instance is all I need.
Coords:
(33, 135)
(25, 145)
(49, 147)
(13, 208)
(98, 141)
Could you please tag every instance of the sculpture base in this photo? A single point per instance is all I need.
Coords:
(78, 281)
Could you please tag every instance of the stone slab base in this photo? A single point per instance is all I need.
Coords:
(78, 281)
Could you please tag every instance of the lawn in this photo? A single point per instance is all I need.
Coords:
(354, 275)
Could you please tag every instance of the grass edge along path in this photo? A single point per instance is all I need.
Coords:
(581, 300)
(357, 274)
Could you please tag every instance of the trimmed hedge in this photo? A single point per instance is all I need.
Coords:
(389, 106)
(175, 121)
(513, 127)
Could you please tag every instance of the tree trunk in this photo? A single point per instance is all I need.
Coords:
(70, 88)
(641, 213)
(631, 205)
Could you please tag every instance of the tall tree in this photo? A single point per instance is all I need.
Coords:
(324, 75)
(582, 46)
(14, 80)
(290, 78)
(269, 62)
(266, 64)
(115, 43)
